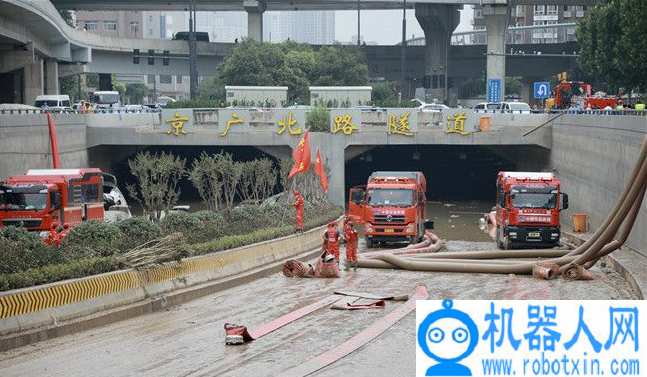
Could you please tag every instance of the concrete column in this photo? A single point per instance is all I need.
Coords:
(528, 90)
(105, 81)
(33, 81)
(254, 11)
(496, 22)
(438, 22)
(51, 85)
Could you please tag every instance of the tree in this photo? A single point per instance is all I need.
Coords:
(136, 92)
(66, 15)
(612, 45)
(158, 177)
(69, 86)
(294, 65)
(206, 178)
(120, 87)
(211, 89)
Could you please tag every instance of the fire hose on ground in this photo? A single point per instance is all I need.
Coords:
(573, 264)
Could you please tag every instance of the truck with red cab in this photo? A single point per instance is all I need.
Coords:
(51, 201)
(528, 205)
(391, 206)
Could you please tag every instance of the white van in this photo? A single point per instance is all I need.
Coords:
(106, 99)
(56, 102)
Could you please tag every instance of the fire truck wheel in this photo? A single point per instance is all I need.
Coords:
(413, 239)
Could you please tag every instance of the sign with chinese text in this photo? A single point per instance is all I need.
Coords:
(530, 338)
(232, 121)
(289, 122)
(345, 121)
(401, 121)
(177, 122)
(460, 121)
(494, 90)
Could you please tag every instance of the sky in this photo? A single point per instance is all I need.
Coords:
(385, 26)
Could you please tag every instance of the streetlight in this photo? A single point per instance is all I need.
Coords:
(193, 63)
(358, 22)
(403, 50)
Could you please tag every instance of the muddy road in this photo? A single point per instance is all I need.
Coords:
(188, 340)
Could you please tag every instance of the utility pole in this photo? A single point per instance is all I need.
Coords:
(403, 52)
(358, 22)
(193, 59)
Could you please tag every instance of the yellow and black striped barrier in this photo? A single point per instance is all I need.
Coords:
(66, 293)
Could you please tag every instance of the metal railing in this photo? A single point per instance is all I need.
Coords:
(541, 34)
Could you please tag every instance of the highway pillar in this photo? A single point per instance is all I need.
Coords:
(255, 10)
(34, 85)
(438, 22)
(105, 81)
(528, 90)
(51, 74)
(496, 22)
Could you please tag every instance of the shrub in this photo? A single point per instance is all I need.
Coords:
(137, 231)
(213, 225)
(91, 239)
(318, 119)
(21, 250)
(50, 274)
(186, 223)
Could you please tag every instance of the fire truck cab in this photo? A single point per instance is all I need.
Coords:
(391, 206)
(50, 201)
(528, 205)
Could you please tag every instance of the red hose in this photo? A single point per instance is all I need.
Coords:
(433, 244)
(52, 139)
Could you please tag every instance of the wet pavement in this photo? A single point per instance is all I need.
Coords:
(188, 340)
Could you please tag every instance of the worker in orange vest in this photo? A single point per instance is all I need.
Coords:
(332, 237)
(298, 204)
(351, 236)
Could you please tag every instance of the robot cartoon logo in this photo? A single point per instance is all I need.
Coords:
(448, 336)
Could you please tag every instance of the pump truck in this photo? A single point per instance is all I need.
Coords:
(391, 206)
(528, 205)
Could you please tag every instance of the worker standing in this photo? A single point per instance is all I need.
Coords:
(331, 237)
(351, 236)
(298, 204)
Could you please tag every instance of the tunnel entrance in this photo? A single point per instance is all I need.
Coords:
(114, 159)
(453, 172)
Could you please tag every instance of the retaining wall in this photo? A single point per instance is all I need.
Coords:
(594, 155)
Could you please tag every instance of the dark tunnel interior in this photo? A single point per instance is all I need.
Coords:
(453, 172)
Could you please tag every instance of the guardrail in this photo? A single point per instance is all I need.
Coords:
(538, 34)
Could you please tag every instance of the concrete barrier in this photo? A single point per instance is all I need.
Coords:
(37, 313)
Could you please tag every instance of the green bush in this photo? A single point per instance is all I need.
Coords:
(318, 119)
(213, 225)
(137, 231)
(91, 239)
(50, 274)
(21, 250)
(186, 223)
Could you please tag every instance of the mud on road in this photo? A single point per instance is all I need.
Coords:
(188, 340)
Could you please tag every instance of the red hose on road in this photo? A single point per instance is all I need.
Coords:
(433, 242)
(359, 340)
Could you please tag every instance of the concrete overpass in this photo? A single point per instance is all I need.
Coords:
(45, 41)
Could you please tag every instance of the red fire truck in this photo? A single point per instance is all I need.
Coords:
(527, 209)
(50, 201)
(391, 206)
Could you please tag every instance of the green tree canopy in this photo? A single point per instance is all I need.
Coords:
(294, 65)
(136, 92)
(613, 46)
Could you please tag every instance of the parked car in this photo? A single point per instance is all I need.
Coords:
(54, 102)
(434, 107)
(504, 107)
(489, 106)
(368, 108)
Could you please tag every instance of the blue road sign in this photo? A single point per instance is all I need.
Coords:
(494, 90)
(542, 89)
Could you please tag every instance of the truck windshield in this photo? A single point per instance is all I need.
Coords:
(106, 98)
(390, 197)
(534, 200)
(11, 201)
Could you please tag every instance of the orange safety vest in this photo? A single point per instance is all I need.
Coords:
(332, 235)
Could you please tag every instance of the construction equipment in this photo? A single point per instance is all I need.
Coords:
(528, 205)
(391, 206)
(578, 93)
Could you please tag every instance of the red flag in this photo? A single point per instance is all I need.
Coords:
(321, 172)
(301, 157)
